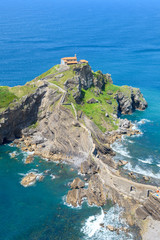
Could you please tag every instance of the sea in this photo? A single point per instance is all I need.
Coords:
(120, 37)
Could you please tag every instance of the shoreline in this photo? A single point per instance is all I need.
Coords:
(70, 110)
(116, 178)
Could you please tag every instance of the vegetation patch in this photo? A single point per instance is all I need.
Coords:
(6, 97)
(49, 72)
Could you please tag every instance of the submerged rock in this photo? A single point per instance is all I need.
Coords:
(29, 159)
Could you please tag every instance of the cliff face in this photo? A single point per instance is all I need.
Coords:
(21, 115)
(130, 99)
(72, 113)
(48, 115)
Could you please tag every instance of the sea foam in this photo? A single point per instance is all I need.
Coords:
(139, 170)
(121, 149)
(93, 230)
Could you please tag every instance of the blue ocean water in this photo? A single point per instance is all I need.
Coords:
(116, 36)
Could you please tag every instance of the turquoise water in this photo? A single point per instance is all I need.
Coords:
(116, 36)
(39, 212)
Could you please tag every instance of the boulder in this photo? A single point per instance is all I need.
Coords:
(95, 192)
(109, 102)
(92, 100)
(77, 183)
(29, 159)
(124, 123)
(146, 178)
(89, 167)
(111, 228)
(110, 93)
(131, 175)
(75, 196)
(29, 179)
(122, 163)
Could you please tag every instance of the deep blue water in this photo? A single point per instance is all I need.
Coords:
(116, 36)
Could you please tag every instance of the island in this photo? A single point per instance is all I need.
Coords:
(72, 113)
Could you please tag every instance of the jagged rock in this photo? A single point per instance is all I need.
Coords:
(75, 196)
(111, 228)
(124, 123)
(102, 225)
(122, 163)
(89, 167)
(150, 207)
(85, 76)
(77, 183)
(29, 179)
(29, 159)
(92, 100)
(100, 80)
(130, 99)
(109, 79)
(95, 192)
(109, 161)
(41, 177)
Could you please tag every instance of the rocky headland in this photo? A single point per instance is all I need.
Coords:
(72, 113)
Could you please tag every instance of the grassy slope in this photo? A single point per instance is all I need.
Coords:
(9, 95)
(95, 111)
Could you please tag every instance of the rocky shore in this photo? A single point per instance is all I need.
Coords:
(72, 114)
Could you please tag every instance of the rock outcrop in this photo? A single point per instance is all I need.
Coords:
(94, 193)
(29, 179)
(77, 183)
(130, 99)
(151, 207)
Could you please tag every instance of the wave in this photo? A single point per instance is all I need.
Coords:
(14, 154)
(139, 170)
(52, 176)
(93, 230)
(121, 149)
(143, 121)
(34, 171)
(147, 160)
(69, 205)
(147, 50)
(130, 141)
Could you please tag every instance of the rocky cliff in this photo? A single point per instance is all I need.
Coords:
(60, 96)
(72, 113)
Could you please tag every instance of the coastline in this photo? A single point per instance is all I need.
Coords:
(60, 132)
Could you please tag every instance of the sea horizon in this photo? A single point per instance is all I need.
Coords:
(117, 37)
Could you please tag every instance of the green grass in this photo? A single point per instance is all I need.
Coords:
(67, 75)
(34, 125)
(49, 72)
(94, 111)
(125, 90)
(21, 91)
(6, 97)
